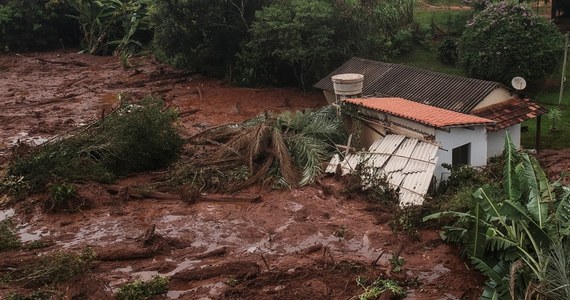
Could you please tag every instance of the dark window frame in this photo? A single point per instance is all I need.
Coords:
(461, 155)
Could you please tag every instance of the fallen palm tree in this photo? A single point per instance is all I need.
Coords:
(282, 150)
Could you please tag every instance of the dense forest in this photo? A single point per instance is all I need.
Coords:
(283, 42)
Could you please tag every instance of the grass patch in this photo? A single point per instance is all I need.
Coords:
(8, 238)
(143, 289)
(134, 138)
(550, 139)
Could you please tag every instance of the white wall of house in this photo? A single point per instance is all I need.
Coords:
(457, 137)
(496, 140)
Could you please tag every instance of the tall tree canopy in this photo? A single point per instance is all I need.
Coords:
(507, 40)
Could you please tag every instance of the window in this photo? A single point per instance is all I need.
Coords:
(461, 155)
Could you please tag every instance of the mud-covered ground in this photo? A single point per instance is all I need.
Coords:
(306, 243)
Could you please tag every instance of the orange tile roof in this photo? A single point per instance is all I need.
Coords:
(510, 112)
(421, 113)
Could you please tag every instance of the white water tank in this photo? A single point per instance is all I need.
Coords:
(349, 84)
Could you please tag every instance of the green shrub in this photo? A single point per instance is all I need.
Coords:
(140, 290)
(8, 238)
(203, 35)
(27, 25)
(447, 51)
(135, 138)
(507, 40)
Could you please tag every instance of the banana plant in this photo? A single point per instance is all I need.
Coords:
(102, 20)
(521, 227)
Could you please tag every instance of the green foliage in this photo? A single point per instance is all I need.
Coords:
(294, 36)
(408, 219)
(397, 263)
(300, 41)
(140, 290)
(447, 51)
(38, 244)
(134, 138)
(8, 238)
(27, 25)
(375, 289)
(61, 196)
(203, 35)
(503, 236)
(507, 40)
(554, 115)
(110, 22)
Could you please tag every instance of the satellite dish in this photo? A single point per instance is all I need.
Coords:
(518, 83)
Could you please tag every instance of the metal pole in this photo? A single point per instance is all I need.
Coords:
(563, 69)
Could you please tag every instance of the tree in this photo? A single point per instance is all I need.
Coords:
(297, 35)
(27, 25)
(297, 42)
(203, 35)
(507, 40)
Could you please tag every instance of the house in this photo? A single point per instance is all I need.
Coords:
(467, 118)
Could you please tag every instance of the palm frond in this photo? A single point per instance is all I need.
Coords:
(309, 153)
(284, 159)
(556, 283)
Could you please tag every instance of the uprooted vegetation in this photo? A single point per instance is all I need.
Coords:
(133, 138)
(285, 150)
(47, 269)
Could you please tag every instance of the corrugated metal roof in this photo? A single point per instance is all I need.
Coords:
(421, 113)
(460, 94)
(407, 163)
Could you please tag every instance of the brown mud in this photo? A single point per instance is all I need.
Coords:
(305, 243)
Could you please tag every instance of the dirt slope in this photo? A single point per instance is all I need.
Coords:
(307, 243)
